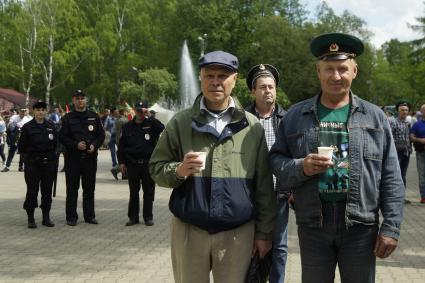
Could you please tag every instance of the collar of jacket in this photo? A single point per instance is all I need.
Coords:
(278, 110)
(200, 116)
(311, 104)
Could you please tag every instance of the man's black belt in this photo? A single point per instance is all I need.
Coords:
(137, 160)
(40, 159)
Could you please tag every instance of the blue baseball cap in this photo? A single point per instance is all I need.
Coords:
(219, 58)
(141, 104)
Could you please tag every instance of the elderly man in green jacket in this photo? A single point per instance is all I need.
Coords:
(214, 156)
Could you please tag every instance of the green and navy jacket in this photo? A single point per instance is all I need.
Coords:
(236, 185)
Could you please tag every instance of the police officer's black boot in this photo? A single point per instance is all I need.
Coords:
(46, 218)
(31, 220)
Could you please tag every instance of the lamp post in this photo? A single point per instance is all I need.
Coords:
(369, 92)
(203, 39)
(137, 80)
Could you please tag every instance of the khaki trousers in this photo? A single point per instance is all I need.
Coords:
(195, 253)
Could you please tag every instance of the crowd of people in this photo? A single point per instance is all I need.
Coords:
(235, 172)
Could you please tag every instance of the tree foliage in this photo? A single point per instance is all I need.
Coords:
(49, 48)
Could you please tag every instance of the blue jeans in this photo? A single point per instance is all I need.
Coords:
(420, 163)
(112, 149)
(351, 248)
(11, 154)
(403, 160)
(280, 242)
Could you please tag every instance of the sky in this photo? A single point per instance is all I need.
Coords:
(387, 19)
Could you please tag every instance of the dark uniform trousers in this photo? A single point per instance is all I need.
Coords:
(139, 171)
(84, 167)
(39, 174)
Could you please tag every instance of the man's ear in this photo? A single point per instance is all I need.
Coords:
(317, 68)
(355, 70)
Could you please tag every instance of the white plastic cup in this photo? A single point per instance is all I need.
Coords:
(202, 155)
(326, 151)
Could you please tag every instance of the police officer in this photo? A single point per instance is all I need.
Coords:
(38, 146)
(81, 134)
(138, 140)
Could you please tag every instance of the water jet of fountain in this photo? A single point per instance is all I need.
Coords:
(189, 87)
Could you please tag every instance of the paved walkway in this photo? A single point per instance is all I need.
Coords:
(111, 252)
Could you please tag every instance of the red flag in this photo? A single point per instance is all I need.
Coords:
(66, 108)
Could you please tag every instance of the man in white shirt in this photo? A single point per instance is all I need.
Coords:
(13, 129)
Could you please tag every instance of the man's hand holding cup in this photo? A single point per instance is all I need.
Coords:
(317, 163)
(193, 162)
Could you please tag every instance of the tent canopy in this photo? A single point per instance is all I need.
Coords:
(164, 115)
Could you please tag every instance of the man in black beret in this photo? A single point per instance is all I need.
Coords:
(37, 143)
(336, 153)
(214, 156)
(16, 122)
(82, 134)
(262, 80)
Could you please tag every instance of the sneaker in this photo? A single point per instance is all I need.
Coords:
(422, 200)
(149, 222)
(5, 169)
(114, 173)
(21, 169)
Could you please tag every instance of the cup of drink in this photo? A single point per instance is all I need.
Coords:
(202, 155)
(326, 151)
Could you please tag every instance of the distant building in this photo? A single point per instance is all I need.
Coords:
(10, 98)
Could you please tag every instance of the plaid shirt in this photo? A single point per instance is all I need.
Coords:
(269, 132)
(270, 125)
(401, 130)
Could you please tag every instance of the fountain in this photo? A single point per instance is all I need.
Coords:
(189, 87)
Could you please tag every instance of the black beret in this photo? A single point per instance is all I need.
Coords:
(219, 58)
(39, 104)
(78, 92)
(141, 104)
(262, 70)
(336, 46)
(402, 103)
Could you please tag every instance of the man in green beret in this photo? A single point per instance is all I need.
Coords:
(335, 152)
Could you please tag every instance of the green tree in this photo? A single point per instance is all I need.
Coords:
(158, 84)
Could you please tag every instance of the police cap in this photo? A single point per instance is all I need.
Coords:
(219, 58)
(39, 104)
(141, 104)
(336, 46)
(262, 70)
(78, 92)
